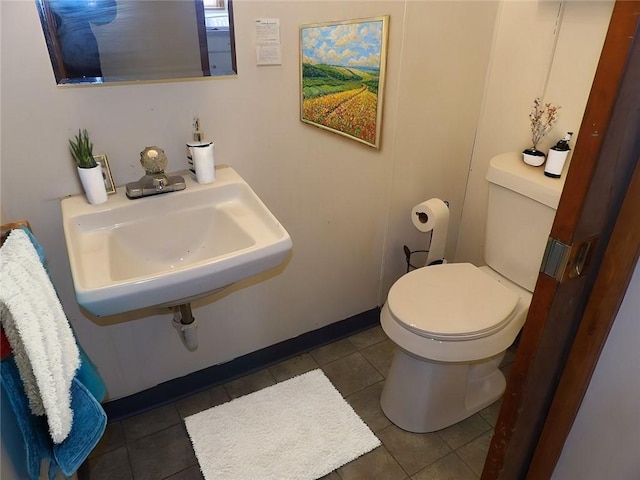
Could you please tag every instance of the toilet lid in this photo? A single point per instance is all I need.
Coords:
(453, 301)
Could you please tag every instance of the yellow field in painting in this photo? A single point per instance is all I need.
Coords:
(352, 112)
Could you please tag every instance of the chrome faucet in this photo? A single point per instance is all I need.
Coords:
(153, 184)
(155, 181)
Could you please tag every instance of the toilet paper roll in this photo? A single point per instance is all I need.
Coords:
(432, 216)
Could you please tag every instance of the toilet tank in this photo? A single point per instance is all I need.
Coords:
(521, 209)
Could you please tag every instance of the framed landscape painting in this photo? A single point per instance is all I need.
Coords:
(342, 69)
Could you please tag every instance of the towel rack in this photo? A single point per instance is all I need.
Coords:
(7, 227)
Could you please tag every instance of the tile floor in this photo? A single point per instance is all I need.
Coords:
(155, 444)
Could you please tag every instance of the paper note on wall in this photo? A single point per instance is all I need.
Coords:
(268, 41)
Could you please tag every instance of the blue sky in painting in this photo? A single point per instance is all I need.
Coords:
(348, 45)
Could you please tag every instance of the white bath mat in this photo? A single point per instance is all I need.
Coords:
(300, 429)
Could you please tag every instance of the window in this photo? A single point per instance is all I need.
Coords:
(215, 14)
(214, 4)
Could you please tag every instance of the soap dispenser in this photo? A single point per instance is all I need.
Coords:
(201, 155)
(557, 156)
(197, 134)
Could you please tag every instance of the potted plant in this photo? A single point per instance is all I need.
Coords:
(542, 118)
(90, 172)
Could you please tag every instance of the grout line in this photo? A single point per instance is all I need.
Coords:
(126, 446)
(181, 422)
(393, 456)
(466, 464)
(183, 470)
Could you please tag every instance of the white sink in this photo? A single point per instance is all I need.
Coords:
(171, 248)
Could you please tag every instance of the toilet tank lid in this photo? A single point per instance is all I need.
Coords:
(509, 171)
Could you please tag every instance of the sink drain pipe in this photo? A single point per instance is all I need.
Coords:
(186, 326)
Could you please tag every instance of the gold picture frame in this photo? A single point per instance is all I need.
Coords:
(106, 173)
(342, 75)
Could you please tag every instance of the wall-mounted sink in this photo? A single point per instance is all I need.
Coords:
(172, 248)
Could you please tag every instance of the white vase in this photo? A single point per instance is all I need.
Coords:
(93, 184)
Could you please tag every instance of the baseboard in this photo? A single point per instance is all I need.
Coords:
(177, 388)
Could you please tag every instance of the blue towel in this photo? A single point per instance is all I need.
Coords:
(89, 419)
(38, 248)
(89, 423)
(89, 377)
(37, 443)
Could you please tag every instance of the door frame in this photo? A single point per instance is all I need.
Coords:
(528, 439)
(616, 271)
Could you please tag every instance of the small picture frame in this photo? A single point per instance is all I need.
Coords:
(106, 173)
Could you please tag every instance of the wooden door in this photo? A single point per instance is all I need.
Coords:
(599, 177)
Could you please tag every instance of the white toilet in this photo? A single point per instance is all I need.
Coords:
(453, 322)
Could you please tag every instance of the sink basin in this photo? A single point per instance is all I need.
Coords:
(171, 248)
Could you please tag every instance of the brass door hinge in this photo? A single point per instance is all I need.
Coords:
(565, 262)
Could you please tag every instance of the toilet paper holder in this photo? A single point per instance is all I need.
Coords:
(408, 252)
(424, 218)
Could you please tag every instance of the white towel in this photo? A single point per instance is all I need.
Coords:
(39, 333)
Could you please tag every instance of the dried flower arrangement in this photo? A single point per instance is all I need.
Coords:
(542, 118)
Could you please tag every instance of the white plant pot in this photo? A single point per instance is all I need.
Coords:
(93, 184)
(533, 157)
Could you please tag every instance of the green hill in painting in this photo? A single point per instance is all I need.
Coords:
(321, 79)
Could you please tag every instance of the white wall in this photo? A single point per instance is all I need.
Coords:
(332, 194)
(345, 205)
(443, 72)
(460, 80)
(549, 49)
(604, 439)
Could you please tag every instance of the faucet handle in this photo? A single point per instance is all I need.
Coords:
(153, 160)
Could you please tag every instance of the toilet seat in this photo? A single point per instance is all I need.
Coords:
(451, 302)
